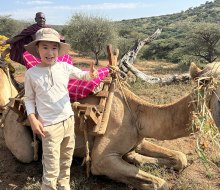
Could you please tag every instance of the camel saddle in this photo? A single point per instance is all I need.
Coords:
(95, 116)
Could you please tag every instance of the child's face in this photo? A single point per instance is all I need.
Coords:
(48, 52)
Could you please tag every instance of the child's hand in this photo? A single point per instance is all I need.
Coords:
(93, 72)
(37, 127)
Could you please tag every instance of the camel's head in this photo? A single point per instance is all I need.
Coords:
(212, 69)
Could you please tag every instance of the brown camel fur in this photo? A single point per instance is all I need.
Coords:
(123, 145)
(7, 90)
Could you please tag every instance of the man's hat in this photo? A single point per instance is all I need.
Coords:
(50, 35)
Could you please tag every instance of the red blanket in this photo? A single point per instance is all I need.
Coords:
(77, 88)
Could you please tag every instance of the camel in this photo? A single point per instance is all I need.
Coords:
(117, 153)
(7, 89)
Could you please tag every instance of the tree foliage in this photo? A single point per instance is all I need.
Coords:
(90, 34)
(2, 48)
(178, 42)
(10, 27)
(175, 42)
(160, 49)
(203, 40)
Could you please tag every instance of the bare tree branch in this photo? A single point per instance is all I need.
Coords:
(157, 80)
(126, 64)
(131, 55)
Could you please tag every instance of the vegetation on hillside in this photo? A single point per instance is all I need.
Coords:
(2, 48)
(182, 39)
(176, 43)
(10, 27)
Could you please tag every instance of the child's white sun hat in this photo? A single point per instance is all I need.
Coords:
(50, 35)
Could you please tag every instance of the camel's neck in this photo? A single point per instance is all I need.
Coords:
(7, 90)
(161, 121)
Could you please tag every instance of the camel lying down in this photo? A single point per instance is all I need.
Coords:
(123, 146)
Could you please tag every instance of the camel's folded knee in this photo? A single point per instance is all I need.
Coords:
(163, 186)
(180, 161)
(98, 167)
(95, 170)
(176, 160)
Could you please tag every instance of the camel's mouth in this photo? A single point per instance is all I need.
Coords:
(207, 107)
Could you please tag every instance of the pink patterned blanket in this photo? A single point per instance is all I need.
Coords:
(77, 88)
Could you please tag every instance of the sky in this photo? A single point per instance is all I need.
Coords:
(59, 12)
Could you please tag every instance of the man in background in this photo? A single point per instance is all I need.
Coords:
(26, 36)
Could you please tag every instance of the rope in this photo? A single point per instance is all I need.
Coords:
(19, 95)
(115, 71)
(121, 81)
(87, 158)
(3, 118)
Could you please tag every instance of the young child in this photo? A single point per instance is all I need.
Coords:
(46, 94)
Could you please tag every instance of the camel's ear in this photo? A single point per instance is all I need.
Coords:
(194, 71)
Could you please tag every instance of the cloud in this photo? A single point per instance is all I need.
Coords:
(109, 6)
(35, 2)
(103, 6)
(60, 13)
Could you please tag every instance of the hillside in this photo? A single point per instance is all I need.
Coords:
(174, 44)
(208, 12)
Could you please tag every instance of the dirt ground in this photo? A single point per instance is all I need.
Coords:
(196, 176)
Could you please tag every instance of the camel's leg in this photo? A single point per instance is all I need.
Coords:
(116, 168)
(18, 138)
(141, 160)
(147, 152)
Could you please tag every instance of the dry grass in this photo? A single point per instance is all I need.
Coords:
(208, 156)
(160, 94)
(195, 177)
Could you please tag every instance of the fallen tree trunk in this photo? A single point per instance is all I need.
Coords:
(156, 80)
(126, 64)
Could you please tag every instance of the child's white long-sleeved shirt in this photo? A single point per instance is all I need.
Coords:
(46, 91)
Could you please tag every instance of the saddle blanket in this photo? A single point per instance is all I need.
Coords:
(78, 89)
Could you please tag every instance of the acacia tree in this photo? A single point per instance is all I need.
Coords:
(90, 34)
(203, 40)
